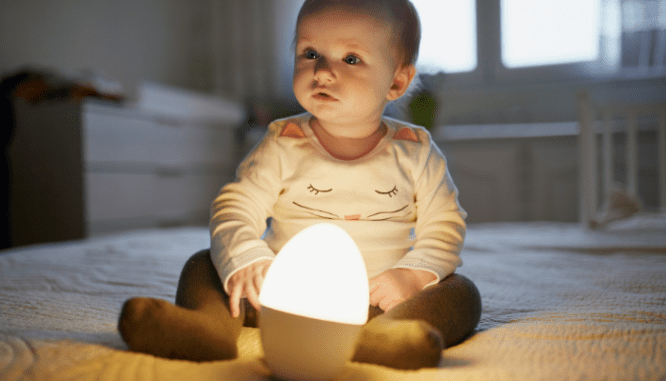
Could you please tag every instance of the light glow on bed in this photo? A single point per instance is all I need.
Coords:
(314, 302)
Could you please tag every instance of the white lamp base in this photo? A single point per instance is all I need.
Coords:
(302, 348)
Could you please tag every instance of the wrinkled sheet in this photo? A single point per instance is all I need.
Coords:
(560, 303)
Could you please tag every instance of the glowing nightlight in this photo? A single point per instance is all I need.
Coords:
(314, 302)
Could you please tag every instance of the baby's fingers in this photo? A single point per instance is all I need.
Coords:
(253, 297)
(234, 301)
(261, 275)
(386, 304)
(258, 279)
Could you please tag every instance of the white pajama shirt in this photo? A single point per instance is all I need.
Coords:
(398, 202)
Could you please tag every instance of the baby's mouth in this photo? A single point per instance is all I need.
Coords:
(323, 97)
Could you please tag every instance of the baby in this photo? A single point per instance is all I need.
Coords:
(383, 181)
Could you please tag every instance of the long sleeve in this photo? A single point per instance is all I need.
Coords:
(240, 211)
(440, 226)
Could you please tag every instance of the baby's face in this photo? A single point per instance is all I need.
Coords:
(345, 65)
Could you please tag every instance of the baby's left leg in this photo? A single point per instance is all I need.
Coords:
(413, 333)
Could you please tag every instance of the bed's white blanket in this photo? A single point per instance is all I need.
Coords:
(560, 303)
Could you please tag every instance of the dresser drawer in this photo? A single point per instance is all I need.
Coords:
(125, 140)
(117, 140)
(198, 146)
(122, 195)
(188, 196)
(156, 199)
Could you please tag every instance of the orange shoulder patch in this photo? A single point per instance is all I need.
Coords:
(292, 130)
(406, 133)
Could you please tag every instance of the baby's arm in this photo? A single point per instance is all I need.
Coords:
(394, 286)
(238, 221)
(439, 233)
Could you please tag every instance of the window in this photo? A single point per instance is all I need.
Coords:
(644, 36)
(619, 37)
(548, 32)
(449, 35)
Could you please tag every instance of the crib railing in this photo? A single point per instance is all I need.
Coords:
(601, 119)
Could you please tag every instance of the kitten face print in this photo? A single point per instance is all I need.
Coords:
(350, 192)
(384, 206)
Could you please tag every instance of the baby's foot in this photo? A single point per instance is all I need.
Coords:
(162, 329)
(402, 344)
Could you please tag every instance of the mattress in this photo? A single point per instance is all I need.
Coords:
(559, 303)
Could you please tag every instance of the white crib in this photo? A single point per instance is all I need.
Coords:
(606, 119)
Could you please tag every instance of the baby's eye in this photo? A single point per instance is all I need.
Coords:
(352, 59)
(311, 54)
(390, 193)
(317, 191)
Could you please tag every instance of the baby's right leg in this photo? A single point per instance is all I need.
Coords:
(413, 333)
(198, 328)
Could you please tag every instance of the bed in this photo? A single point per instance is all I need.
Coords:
(560, 302)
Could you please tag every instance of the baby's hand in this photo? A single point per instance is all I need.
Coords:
(246, 283)
(394, 286)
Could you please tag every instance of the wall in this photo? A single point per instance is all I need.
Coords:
(166, 41)
(252, 45)
(546, 101)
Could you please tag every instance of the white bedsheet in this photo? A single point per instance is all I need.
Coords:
(560, 303)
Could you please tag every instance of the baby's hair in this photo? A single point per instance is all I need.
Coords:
(402, 13)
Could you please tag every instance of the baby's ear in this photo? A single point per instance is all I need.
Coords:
(401, 80)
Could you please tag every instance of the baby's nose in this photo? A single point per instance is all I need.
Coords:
(353, 217)
(323, 71)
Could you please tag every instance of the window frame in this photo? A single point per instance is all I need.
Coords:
(491, 71)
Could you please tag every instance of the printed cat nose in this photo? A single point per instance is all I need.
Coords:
(353, 217)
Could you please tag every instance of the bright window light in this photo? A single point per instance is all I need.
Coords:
(547, 32)
(448, 40)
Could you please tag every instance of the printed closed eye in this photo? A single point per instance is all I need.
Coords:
(317, 212)
(316, 191)
(390, 193)
(389, 214)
